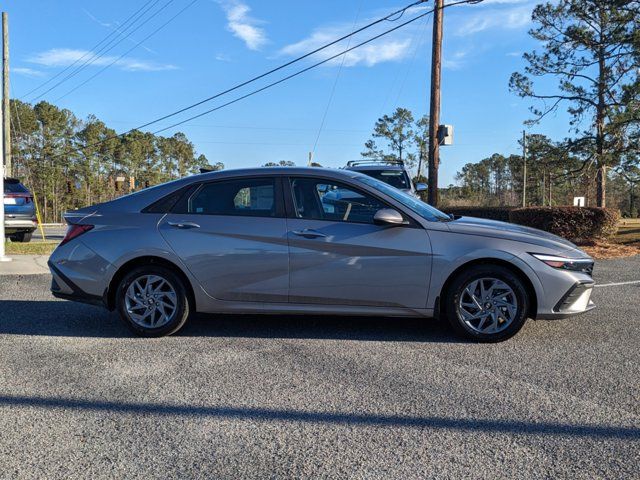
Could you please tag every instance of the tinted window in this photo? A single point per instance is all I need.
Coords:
(317, 199)
(395, 178)
(252, 197)
(165, 204)
(423, 209)
(14, 187)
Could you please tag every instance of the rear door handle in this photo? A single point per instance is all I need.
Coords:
(309, 233)
(183, 225)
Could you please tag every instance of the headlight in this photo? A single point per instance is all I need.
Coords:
(574, 264)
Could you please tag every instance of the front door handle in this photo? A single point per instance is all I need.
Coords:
(183, 225)
(308, 233)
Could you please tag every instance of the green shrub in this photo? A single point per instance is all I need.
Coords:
(492, 213)
(578, 224)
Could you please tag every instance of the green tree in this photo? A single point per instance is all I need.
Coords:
(397, 131)
(281, 163)
(588, 48)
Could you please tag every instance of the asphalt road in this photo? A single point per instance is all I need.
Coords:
(292, 397)
(51, 232)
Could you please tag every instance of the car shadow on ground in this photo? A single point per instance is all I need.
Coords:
(59, 318)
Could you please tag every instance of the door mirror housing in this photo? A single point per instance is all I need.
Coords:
(421, 187)
(389, 216)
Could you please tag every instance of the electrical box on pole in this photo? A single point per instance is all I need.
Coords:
(445, 134)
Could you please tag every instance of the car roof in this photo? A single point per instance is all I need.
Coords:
(280, 171)
(142, 198)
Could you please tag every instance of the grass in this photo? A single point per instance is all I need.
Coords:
(627, 235)
(32, 248)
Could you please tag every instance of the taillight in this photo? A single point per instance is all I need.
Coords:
(75, 231)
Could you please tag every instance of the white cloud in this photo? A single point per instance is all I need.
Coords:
(511, 18)
(387, 49)
(242, 25)
(63, 57)
(27, 72)
(454, 61)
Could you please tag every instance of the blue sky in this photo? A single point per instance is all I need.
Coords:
(214, 44)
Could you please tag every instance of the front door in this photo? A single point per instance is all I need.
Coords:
(231, 235)
(339, 256)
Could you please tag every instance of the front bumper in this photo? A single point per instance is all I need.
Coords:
(575, 301)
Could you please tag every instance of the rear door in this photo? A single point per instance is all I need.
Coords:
(231, 235)
(339, 256)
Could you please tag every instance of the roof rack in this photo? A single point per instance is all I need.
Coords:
(374, 161)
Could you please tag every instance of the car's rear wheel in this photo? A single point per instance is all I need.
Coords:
(152, 300)
(22, 237)
(487, 303)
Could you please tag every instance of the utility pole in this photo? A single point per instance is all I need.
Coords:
(524, 168)
(6, 115)
(434, 106)
(5, 134)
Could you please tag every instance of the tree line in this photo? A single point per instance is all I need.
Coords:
(69, 162)
(551, 180)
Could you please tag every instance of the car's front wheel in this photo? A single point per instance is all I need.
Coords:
(152, 300)
(487, 303)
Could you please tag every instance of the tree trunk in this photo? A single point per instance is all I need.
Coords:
(601, 184)
(601, 176)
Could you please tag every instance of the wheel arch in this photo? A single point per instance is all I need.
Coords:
(533, 297)
(110, 293)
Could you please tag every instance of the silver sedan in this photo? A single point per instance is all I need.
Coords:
(311, 241)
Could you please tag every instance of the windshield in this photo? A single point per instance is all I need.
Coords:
(423, 209)
(395, 178)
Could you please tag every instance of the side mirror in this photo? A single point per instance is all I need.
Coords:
(389, 216)
(421, 187)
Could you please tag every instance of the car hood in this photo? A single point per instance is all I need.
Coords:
(509, 231)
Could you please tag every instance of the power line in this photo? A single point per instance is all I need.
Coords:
(127, 52)
(299, 72)
(88, 52)
(284, 65)
(105, 49)
(460, 2)
(333, 88)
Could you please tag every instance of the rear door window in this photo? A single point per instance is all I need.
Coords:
(253, 197)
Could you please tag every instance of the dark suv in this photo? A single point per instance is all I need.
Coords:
(19, 211)
(391, 172)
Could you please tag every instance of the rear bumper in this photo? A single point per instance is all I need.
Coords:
(64, 288)
(19, 225)
(575, 301)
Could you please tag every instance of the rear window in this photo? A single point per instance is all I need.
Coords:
(11, 186)
(395, 178)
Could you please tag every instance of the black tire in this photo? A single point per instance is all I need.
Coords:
(476, 272)
(22, 237)
(183, 307)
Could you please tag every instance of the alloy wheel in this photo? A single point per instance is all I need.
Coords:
(151, 301)
(487, 305)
